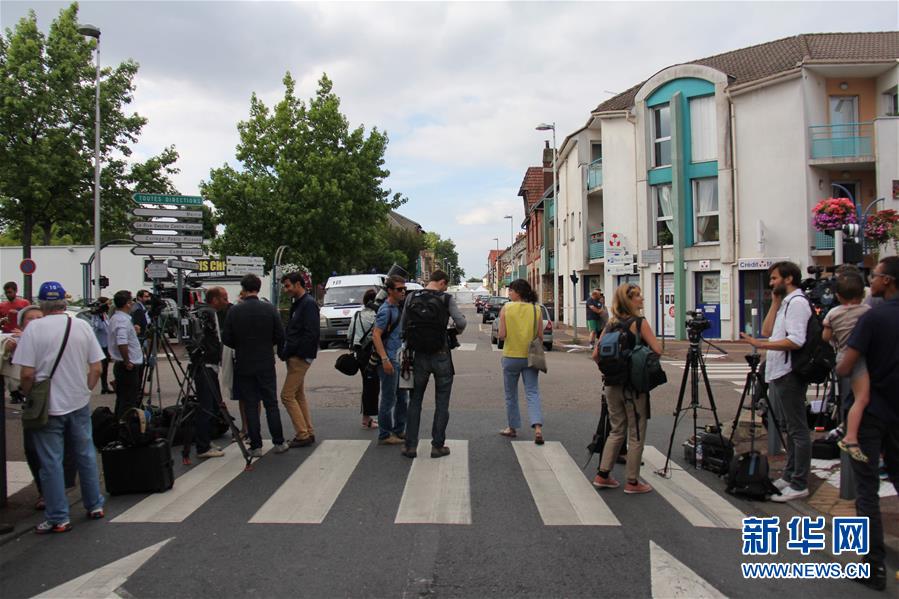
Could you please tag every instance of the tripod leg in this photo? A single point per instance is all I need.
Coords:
(677, 410)
(235, 432)
(746, 391)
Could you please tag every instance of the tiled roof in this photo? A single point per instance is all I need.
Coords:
(764, 60)
(532, 184)
(398, 220)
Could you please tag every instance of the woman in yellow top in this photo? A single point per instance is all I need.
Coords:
(519, 322)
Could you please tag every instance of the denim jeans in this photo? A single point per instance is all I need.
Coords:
(49, 442)
(512, 369)
(394, 402)
(787, 395)
(253, 388)
(440, 365)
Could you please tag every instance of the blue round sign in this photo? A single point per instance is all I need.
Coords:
(27, 266)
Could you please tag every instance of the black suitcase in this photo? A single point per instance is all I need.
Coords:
(145, 469)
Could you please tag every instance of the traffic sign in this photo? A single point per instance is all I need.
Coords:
(621, 269)
(620, 259)
(182, 265)
(168, 200)
(239, 270)
(167, 213)
(167, 238)
(651, 256)
(158, 250)
(156, 270)
(167, 226)
(249, 260)
(27, 266)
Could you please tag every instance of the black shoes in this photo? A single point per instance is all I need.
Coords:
(302, 442)
(878, 578)
(439, 452)
(409, 452)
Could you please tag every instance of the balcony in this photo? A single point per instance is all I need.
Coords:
(597, 245)
(823, 241)
(549, 212)
(594, 175)
(552, 262)
(845, 143)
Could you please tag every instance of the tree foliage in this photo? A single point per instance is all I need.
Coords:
(47, 125)
(307, 181)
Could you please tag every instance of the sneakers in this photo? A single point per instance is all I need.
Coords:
(390, 440)
(96, 514)
(637, 488)
(46, 527)
(878, 578)
(302, 442)
(789, 494)
(781, 484)
(409, 452)
(283, 447)
(212, 452)
(439, 452)
(605, 482)
(257, 453)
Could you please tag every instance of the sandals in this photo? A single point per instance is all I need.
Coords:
(508, 432)
(538, 438)
(853, 450)
(372, 423)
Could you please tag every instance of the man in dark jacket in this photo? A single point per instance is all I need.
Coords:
(252, 328)
(300, 349)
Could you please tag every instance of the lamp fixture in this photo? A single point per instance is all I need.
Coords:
(844, 86)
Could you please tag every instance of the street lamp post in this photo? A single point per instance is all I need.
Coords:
(496, 268)
(94, 32)
(552, 127)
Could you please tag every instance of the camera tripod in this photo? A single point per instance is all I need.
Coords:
(751, 390)
(693, 369)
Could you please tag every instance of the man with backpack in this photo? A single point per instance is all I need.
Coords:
(786, 326)
(387, 342)
(424, 326)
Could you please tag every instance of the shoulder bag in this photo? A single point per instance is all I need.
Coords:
(37, 403)
(536, 355)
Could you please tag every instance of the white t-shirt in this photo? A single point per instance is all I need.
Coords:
(38, 349)
(121, 332)
(791, 322)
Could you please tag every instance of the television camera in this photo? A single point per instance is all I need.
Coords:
(821, 291)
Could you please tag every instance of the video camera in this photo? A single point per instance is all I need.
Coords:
(156, 306)
(821, 292)
(697, 324)
(96, 308)
(396, 269)
(200, 335)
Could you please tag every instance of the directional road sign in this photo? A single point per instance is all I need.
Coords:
(620, 259)
(167, 238)
(168, 200)
(182, 265)
(164, 226)
(153, 250)
(239, 270)
(249, 260)
(157, 270)
(164, 212)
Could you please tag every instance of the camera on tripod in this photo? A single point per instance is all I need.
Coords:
(97, 307)
(697, 324)
(199, 333)
(821, 292)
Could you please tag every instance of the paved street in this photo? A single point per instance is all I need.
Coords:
(496, 518)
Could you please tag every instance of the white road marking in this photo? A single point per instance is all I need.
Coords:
(307, 495)
(102, 582)
(437, 490)
(191, 490)
(673, 580)
(467, 347)
(18, 476)
(696, 502)
(329, 351)
(562, 494)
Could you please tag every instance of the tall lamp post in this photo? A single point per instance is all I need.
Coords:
(552, 127)
(94, 32)
(496, 268)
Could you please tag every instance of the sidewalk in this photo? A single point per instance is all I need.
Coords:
(824, 495)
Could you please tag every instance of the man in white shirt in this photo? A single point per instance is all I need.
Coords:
(125, 350)
(785, 326)
(80, 356)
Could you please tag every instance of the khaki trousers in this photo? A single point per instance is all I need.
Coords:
(625, 421)
(293, 396)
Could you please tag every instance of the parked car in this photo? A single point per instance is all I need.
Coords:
(547, 330)
(491, 308)
(479, 302)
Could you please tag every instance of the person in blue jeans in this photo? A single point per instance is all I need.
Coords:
(387, 342)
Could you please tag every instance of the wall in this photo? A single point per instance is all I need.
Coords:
(865, 89)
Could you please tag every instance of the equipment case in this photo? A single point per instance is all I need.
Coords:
(145, 469)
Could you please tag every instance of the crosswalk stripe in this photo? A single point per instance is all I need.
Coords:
(673, 580)
(18, 476)
(307, 495)
(191, 490)
(562, 494)
(437, 490)
(467, 347)
(699, 504)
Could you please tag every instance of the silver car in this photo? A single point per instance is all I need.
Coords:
(547, 331)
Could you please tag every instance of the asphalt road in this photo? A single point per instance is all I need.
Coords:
(525, 527)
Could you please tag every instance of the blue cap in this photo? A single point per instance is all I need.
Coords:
(51, 291)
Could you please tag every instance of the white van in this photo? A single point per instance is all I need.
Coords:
(343, 298)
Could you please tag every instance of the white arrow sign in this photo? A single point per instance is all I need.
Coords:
(245, 260)
(620, 259)
(167, 226)
(158, 250)
(169, 213)
(167, 238)
(182, 264)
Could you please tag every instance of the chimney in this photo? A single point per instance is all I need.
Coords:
(547, 156)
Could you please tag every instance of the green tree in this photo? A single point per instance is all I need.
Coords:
(307, 181)
(47, 135)
(445, 256)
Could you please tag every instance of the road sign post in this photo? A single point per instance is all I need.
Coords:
(167, 200)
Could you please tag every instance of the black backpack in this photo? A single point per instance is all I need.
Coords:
(614, 352)
(814, 361)
(748, 476)
(426, 314)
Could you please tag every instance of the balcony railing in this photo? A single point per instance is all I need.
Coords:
(597, 244)
(594, 174)
(846, 140)
(823, 241)
(552, 263)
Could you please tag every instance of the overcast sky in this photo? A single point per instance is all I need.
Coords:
(458, 87)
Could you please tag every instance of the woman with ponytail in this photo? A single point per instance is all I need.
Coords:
(520, 320)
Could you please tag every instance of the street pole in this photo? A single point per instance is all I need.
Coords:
(552, 127)
(94, 32)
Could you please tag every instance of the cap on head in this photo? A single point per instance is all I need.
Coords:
(51, 291)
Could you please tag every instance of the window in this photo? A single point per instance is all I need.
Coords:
(571, 231)
(595, 152)
(703, 129)
(705, 209)
(891, 103)
(663, 214)
(661, 133)
(564, 231)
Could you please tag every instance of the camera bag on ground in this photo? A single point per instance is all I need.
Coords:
(427, 315)
(814, 361)
(614, 351)
(104, 427)
(136, 427)
(748, 476)
(825, 449)
(146, 469)
(717, 452)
